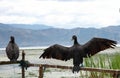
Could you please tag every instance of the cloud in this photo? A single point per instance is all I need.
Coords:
(61, 13)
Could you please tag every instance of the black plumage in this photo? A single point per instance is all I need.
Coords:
(12, 50)
(77, 51)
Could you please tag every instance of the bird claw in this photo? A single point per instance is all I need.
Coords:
(76, 69)
(13, 60)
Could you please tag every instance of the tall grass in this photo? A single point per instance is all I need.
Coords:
(115, 61)
(107, 61)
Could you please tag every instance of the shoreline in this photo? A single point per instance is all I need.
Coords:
(42, 47)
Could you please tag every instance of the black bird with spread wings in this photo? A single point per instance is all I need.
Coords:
(12, 50)
(77, 51)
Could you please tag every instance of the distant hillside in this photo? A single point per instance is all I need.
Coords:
(50, 36)
(30, 26)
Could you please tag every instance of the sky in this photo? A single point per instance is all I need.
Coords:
(61, 13)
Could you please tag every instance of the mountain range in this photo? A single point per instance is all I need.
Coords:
(30, 26)
(43, 35)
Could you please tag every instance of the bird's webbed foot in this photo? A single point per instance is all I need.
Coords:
(76, 69)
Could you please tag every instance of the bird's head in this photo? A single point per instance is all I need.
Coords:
(12, 39)
(74, 37)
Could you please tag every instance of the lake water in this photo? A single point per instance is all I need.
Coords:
(32, 55)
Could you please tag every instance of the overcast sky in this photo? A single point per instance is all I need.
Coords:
(61, 13)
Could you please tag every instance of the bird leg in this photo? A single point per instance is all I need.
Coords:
(76, 69)
(13, 60)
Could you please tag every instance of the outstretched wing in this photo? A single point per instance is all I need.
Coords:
(96, 45)
(57, 52)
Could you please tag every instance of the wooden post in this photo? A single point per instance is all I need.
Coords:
(116, 75)
(23, 70)
(40, 71)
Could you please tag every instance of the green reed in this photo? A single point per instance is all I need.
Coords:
(115, 61)
(107, 61)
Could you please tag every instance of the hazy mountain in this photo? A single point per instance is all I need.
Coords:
(50, 36)
(30, 26)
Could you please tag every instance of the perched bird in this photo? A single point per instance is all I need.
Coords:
(77, 51)
(12, 50)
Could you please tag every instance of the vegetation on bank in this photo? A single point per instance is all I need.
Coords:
(107, 61)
